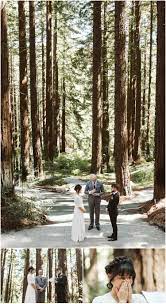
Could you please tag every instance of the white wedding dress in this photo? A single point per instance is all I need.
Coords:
(107, 298)
(30, 296)
(78, 224)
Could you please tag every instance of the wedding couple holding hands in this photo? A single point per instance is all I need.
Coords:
(36, 287)
(94, 189)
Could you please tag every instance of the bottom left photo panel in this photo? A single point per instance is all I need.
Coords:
(45, 275)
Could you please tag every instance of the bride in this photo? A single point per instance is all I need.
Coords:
(78, 224)
(121, 275)
(30, 296)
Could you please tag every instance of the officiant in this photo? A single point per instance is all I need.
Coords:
(94, 188)
(41, 285)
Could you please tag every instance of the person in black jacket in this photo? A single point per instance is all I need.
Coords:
(113, 211)
(61, 287)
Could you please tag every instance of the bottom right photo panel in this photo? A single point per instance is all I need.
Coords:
(124, 275)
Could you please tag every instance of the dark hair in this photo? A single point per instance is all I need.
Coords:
(120, 266)
(115, 186)
(30, 269)
(77, 188)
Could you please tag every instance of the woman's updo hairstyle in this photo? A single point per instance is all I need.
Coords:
(78, 188)
(30, 269)
(120, 266)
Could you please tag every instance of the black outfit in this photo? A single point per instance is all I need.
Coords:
(61, 289)
(113, 212)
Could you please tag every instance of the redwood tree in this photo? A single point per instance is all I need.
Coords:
(105, 118)
(79, 271)
(50, 261)
(56, 100)
(96, 99)
(159, 167)
(121, 143)
(136, 150)
(7, 170)
(39, 261)
(36, 137)
(63, 145)
(24, 113)
(49, 152)
(26, 266)
(149, 84)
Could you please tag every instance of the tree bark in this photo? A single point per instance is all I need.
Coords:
(136, 150)
(24, 111)
(62, 263)
(7, 294)
(131, 88)
(121, 142)
(96, 99)
(50, 263)
(56, 100)
(39, 261)
(143, 139)
(43, 94)
(26, 266)
(36, 143)
(6, 125)
(79, 273)
(159, 167)
(149, 85)
(3, 261)
(105, 118)
(63, 149)
(49, 80)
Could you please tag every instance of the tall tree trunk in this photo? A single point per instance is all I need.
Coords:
(36, 143)
(159, 167)
(96, 100)
(39, 261)
(24, 111)
(43, 94)
(7, 295)
(3, 260)
(149, 85)
(62, 259)
(50, 263)
(7, 170)
(49, 80)
(131, 88)
(79, 273)
(105, 118)
(26, 266)
(136, 151)
(56, 103)
(120, 146)
(62, 263)
(63, 149)
(143, 139)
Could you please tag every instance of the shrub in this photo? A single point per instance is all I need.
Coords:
(18, 212)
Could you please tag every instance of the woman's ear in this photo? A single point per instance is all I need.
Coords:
(109, 275)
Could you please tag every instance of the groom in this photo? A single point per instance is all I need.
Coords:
(94, 189)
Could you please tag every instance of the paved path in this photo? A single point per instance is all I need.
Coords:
(134, 231)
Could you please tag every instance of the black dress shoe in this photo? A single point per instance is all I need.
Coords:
(112, 239)
(90, 227)
(109, 236)
(98, 227)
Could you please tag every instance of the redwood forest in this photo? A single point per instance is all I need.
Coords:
(14, 269)
(82, 92)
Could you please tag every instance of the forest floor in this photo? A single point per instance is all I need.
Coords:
(133, 228)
